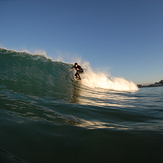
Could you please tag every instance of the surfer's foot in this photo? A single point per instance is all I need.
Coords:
(77, 78)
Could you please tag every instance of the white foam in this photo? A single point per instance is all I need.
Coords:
(102, 80)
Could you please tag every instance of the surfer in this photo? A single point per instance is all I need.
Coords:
(78, 70)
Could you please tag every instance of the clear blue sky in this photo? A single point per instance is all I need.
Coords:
(125, 36)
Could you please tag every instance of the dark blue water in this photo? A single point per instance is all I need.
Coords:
(47, 117)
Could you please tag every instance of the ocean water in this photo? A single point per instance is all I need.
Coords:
(46, 116)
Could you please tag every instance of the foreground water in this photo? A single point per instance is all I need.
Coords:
(46, 117)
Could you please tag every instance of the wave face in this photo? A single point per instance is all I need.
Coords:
(46, 116)
(33, 75)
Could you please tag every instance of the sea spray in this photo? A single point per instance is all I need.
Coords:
(102, 80)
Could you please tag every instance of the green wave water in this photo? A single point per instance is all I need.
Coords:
(45, 116)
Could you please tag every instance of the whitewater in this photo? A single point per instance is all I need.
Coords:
(46, 116)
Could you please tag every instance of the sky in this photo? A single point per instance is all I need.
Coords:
(124, 37)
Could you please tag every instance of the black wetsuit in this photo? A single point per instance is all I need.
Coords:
(78, 71)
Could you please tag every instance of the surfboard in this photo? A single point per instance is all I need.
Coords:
(77, 79)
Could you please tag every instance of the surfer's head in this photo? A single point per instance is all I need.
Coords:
(76, 64)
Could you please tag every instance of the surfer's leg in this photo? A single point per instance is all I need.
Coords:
(79, 77)
(76, 75)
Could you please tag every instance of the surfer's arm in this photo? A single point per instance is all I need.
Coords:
(71, 68)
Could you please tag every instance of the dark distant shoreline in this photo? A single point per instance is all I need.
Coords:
(150, 85)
